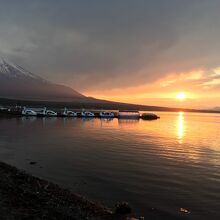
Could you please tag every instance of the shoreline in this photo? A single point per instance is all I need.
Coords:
(24, 196)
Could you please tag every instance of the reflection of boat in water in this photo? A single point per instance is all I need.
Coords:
(28, 119)
(48, 120)
(87, 114)
(68, 119)
(106, 114)
(28, 112)
(67, 113)
(149, 116)
(106, 119)
(126, 114)
(87, 119)
(127, 122)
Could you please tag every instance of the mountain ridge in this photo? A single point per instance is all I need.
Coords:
(17, 82)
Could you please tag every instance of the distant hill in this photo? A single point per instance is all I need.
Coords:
(216, 109)
(18, 83)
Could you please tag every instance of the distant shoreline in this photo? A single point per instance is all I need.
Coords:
(95, 104)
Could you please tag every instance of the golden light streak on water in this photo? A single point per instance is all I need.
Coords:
(180, 127)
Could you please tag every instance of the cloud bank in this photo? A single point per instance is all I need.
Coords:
(99, 45)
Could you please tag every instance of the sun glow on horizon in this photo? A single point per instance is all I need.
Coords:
(181, 96)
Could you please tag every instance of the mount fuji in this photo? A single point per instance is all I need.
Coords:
(18, 83)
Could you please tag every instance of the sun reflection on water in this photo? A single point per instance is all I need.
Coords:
(180, 127)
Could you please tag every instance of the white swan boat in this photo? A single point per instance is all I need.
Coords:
(28, 112)
(87, 114)
(50, 113)
(41, 111)
(45, 112)
(67, 113)
(106, 114)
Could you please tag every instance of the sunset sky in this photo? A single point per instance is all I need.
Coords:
(153, 52)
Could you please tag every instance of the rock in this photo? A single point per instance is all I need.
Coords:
(122, 208)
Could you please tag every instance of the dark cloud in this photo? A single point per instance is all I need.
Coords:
(103, 44)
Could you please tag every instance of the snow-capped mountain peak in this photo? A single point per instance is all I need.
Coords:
(16, 82)
(10, 69)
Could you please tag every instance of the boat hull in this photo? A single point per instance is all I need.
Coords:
(129, 117)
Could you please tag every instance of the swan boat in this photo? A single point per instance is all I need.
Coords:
(51, 113)
(67, 113)
(28, 112)
(87, 114)
(106, 114)
(45, 112)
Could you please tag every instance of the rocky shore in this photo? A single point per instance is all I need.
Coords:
(24, 196)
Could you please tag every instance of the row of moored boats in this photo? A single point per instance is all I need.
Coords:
(64, 113)
(24, 111)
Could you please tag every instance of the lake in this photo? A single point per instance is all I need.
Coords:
(168, 164)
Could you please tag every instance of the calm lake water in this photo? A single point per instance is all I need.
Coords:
(169, 163)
